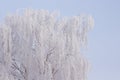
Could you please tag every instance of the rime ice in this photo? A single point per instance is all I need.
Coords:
(37, 45)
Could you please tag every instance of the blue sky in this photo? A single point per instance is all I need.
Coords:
(104, 40)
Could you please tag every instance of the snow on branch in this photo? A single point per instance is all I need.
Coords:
(38, 45)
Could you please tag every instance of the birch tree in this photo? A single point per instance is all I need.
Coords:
(39, 45)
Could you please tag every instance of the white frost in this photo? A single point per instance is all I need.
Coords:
(37, 45)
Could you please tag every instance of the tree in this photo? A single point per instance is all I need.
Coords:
(38, 45)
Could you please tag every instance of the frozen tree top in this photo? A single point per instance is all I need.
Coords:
(38, 45)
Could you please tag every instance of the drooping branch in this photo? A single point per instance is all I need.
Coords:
(37, 45)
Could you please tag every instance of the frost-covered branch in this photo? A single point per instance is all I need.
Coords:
(38, 45)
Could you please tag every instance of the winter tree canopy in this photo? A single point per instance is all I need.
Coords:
(39, 45)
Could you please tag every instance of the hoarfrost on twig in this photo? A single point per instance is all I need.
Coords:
(37, 45)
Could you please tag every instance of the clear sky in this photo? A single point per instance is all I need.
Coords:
(104, 40)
